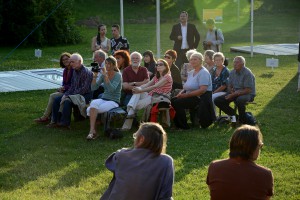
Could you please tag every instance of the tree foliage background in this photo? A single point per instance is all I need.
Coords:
(19, 18)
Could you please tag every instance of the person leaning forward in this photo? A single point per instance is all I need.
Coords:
(185, 37)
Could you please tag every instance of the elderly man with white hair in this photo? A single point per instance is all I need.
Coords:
(133, 76)
(80, 84)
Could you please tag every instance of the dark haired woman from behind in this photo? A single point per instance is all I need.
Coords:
(144, 172)
(149, 63)
(67, 76)
(239, 177)
(100, 41)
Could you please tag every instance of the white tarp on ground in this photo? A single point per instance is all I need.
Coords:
(270, 49)
(25, 80)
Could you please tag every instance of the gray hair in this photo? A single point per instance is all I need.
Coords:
(209, 53)
(101, 54)
(189, 53)
(241, 58)
(198, 55)
(77, 56)
(219, 54)
(136, 53)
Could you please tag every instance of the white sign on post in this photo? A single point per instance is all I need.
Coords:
(271, 62)
(38, 53)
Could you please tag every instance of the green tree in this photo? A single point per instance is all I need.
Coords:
(20, 18)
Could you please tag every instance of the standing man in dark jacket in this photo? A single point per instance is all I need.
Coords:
(185, 37)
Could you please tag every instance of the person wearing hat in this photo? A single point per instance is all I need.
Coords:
(214, 37)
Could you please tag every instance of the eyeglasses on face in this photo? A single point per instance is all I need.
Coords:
(168, 57)
(159, 64)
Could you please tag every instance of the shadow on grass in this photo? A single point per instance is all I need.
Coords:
(279, 119)
(53, 158)
(197, 148)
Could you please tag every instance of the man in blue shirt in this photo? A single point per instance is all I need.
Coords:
(241, 89)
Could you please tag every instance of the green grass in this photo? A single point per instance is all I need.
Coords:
(41, 163)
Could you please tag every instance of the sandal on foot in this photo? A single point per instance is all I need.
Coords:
(92, 136)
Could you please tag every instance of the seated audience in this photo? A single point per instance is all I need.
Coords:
(186, 67)
(143, 172)
(209, 62)
(66, 83)
(100, 41)
(219, 76)
(160, 84)
(239, 177)
(111, 79)
(99, 57)
(80, 89)
(196, 90)
(123, 59)
(241, 89)
(170, 57)
(149, 63)
(133, 76)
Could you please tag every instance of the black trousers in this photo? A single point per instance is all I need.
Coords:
(240, 102)
(181, 58)
(180, 105)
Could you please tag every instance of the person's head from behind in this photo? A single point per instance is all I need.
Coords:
(99, 56)
(189, 53)
(76, 61)
(102, 29)
(162, 67)
(115, 29)
(136, 59)
(210, 24)
(148, 57)
(151, 136)
(218, 58)
(64, 60)
(170, 56)
(183, 17)
(123, 58)
(246, 143)
(111, 64)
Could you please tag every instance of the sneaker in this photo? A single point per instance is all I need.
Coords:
(233, 119)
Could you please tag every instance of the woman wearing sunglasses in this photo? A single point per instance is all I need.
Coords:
(170, 57)
(161, 83)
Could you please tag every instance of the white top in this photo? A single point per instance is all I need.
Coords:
(184, 44)
(194, 82)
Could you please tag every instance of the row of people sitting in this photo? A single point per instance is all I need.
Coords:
(200, 90)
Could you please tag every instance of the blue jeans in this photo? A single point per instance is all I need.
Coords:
(64, 117)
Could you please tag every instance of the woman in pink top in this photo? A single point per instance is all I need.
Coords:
(161, 83)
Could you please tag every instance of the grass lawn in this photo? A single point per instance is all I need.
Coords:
(41, 163)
